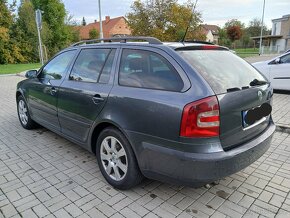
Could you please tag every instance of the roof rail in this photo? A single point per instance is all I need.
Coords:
(150, 40)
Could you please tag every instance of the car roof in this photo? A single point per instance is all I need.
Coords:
(146, 41)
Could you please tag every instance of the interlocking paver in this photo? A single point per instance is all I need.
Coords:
(40, 210)
(73, 210)
(9, 210)
(44, 175)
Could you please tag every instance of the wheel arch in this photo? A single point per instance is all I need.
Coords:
(19, 93)
(100, 127)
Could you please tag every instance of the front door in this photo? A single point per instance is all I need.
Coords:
(84, 92)
(43, 92)
(280, 73)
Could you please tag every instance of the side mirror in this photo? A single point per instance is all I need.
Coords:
(31, 74)
(277, 61)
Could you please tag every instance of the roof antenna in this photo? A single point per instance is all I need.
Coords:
(190, 20)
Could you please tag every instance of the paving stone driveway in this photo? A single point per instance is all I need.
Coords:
(44, 175)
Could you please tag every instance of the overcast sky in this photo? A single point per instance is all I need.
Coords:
(213, 11)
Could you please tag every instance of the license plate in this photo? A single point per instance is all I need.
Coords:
(254, 115)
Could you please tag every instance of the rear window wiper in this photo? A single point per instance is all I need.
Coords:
(257, 82)
(233, 89)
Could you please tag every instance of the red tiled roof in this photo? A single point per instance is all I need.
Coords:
(108, 25)
(213, 28)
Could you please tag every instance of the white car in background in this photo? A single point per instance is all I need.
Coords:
(277, 71)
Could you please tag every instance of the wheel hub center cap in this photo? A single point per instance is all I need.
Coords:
(114, 158)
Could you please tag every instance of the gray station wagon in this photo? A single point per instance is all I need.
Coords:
(184, 112)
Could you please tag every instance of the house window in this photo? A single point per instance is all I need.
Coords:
(274, 28)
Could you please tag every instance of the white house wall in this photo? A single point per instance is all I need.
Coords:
(209, 37)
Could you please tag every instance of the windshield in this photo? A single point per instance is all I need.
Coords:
(223, 70)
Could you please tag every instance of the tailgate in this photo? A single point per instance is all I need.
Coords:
(236, 107)
(243, 93)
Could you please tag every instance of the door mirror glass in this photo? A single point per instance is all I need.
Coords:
(31, 74)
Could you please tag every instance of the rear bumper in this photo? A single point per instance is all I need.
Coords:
(193, 169)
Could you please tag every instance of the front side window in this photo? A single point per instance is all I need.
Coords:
(285, 59)
(56, 68)
(146, 69)
(93, 65)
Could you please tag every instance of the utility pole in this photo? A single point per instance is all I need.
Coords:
(39, 27)
(262, 26)
(100, 17)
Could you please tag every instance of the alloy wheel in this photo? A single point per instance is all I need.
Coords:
(114, 158)
(23, 113)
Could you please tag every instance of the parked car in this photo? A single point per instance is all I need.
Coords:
(185, 113)
(277, 70)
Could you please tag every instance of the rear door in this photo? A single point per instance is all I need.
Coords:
(240, 90)
(280, 73)
(84, 92)
(148, 96)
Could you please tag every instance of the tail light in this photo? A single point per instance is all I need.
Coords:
(201, 118)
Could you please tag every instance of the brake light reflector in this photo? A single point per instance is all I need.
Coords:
(201, 118)
(209, 47)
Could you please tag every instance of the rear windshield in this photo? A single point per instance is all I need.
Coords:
(223, 70)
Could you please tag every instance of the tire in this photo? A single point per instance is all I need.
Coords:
(23, 114)
(116, 159)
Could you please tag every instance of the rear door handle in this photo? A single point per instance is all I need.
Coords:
(53, 91)
(97, 99)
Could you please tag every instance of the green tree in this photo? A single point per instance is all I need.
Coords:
(164, 19)
(5, 23)
(9, 52)
(254, 28)
(93, 33)
(223, 38)
(54, 15)
(6, 18)
(25, 33)
(234, 22)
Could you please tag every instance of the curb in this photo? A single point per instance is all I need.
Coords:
(3, 75)
(21, 74)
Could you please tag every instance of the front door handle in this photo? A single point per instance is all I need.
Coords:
(53, 91)
(97, 99)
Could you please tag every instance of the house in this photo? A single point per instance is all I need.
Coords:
(281, 28)
(117, 26)
(211, 32)
(279, 40)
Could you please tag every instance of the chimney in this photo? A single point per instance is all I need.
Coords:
(95, 21)
(107, 19)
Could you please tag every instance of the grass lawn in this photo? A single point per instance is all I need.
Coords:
(17, 68)
(247, 52)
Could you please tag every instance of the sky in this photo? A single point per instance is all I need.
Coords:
(213, 11)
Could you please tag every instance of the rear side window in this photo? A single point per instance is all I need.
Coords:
(93, 65)
(222, 69)
(146, 69)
